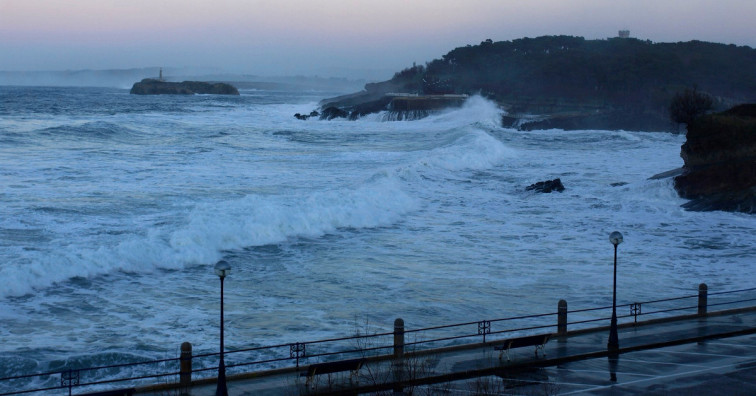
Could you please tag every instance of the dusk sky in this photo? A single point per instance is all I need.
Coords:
(330, 37)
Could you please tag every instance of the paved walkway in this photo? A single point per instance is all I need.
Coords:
(724, 366)
(715, 355)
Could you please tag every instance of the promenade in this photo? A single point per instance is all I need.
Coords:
(711, 355)
(673, 345)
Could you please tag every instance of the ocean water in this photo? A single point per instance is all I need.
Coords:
(114, 209)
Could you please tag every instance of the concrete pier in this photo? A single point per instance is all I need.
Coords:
(405, 102)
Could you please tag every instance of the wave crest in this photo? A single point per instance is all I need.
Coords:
(212, 228)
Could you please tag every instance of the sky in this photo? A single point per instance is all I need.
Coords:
(349, 38)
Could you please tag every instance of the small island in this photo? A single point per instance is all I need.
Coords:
(152, 86)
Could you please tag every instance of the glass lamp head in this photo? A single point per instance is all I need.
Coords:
(222, 268)
(615, 238)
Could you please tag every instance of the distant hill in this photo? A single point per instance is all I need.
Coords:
(618, 83)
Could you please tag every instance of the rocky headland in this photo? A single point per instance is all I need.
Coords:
(720, 162)
(151, 86)
(568, 82)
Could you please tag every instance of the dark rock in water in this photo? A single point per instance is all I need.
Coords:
(306, 116)
(618, 184)
(151, 86)
(333, 112)
(546, 186)
(720, 162)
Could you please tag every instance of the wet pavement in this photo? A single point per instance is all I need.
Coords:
(715, 367)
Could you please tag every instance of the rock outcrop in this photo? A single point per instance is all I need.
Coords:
(151, 86)
(546, 186)
(604, 120)
(332, 112)
(303, 117)
(720, 162)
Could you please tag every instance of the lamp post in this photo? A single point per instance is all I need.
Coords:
(221, 269)
(613, 345)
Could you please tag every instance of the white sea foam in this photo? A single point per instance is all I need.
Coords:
(212, 228)
(255, 220)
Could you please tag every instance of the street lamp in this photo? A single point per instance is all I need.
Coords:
(221, 269)
(613, 345)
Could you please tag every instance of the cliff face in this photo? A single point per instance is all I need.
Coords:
(720, 162)
(150, 86)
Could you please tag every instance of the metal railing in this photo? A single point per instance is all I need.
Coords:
(375, 344)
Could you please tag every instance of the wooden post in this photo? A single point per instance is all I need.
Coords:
(185, 376)
(398, 354)
(562, 317)
(703, 299)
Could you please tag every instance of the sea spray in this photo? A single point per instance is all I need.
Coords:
(476, 110)
(476, 150)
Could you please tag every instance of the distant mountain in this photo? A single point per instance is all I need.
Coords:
(573, 83)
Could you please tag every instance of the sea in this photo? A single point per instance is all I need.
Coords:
(114, 209)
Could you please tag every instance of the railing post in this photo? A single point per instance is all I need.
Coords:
(484, 327)
(69, 379)
(562, 317)
(398, 354)
(703, 299)
(185, 376)
(398, 338)
(297, 351)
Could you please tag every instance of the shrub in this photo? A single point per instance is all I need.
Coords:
(686, 106)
